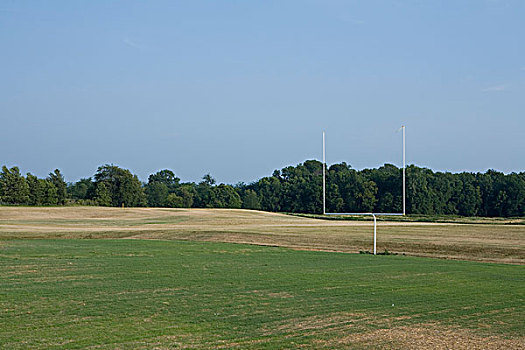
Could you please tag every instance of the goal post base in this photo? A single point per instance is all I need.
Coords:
(375, 222)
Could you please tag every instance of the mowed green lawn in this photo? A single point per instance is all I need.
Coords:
(169, 294)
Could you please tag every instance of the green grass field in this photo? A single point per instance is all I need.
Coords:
(143, 278)
(71, 293)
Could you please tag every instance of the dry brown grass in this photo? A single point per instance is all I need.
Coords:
(423, 336)
(494, 243)
(365, 331)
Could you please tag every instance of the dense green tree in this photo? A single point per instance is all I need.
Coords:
(58, 180)
(36, 190)
(269, 191)
(508, 194)
(291, 189)
(82, 189)
(166, 177)
(208, 180)
(226, 197)
(205, 195)
(162, 190)
(50, 192)
(174, 201)
(187, 192)
(102, 195)
(421, 197)
(157, 194)
(388, 179)
(13, 186)
(366, 196)
(124, 188)
(131, 192)
(250, 200)
(469, 198)
(356, 191)
(302, 187)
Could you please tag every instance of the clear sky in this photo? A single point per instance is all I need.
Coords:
(240, 88)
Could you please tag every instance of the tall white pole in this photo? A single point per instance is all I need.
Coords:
(324, 175)
(404, 166)
(375, 233)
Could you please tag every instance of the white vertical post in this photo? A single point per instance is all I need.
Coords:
(324, 175)
(404, 166)
(375, 233)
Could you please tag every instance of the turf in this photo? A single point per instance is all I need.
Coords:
(67, 294)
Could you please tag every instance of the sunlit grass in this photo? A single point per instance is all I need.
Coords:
(142, 294)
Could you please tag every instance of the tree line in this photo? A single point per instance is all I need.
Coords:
(296, 189)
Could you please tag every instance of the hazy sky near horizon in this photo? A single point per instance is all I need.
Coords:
(240, 88)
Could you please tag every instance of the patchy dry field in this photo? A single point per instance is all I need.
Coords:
(479, 242)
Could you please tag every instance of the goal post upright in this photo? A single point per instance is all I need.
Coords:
(404, 169)
(324, 174)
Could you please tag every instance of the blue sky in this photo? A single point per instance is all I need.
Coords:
(240, 88)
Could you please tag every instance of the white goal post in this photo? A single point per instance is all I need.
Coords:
(374, 215)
